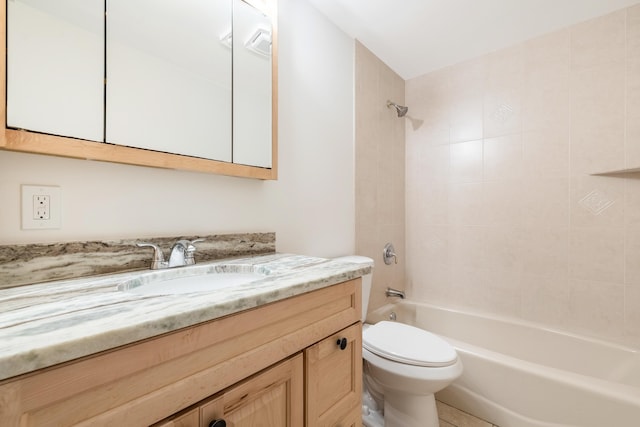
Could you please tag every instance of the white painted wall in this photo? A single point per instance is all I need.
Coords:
(310, 207)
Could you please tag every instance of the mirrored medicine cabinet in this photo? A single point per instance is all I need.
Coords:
(183, 84)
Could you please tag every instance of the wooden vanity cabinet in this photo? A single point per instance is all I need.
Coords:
(280, 360)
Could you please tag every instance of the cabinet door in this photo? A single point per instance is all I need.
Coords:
(55, 67)
(273, 398)
(333, 371)
(169, 76)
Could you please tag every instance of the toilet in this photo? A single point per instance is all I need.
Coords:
(403, 367)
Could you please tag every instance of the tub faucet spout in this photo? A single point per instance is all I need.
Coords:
(390, 292)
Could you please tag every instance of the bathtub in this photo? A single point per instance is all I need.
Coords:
(519, 374)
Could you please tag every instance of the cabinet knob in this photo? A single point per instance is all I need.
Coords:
(342, 343)
(218, 423)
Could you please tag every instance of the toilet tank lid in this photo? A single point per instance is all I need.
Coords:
(407, 344)
(356, 259)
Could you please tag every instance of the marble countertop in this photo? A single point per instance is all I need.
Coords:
(46, 324)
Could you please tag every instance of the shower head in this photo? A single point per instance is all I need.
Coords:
(400, 109)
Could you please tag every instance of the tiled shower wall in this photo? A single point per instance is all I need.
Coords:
(504, 212)
(380, 171)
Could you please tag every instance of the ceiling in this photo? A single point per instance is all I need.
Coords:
(414, 37)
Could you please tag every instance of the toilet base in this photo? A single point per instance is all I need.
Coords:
(410, 410)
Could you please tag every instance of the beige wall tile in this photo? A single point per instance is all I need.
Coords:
(632, 202)
(549, 48)
(505, 67)
(597, 201)
(545, 299)
(466, 86)
(502, 249)
(466, 254)
(632, 137)
(503, 92)
(545, 252)
(597, 307)
(431, 132)
(503, 158)
(597, 96)
(546, 96)
(502, 110)
(597, 150)
(432, 266)
(633, 87)
(632, 143)
(501, 293)
(633, 32)
(434, 163)
(433, 204)
(465, 204)
(545, 153)
(597, 254)
(430, 94)
(465, 161)
(632, 257)
(598, 40)
(502, 203)
(632, 311)
(545, 202)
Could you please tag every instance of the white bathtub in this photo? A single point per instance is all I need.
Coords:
(518, 374)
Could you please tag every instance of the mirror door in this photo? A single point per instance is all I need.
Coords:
(252, 85)
(55, 67)
(169, 76)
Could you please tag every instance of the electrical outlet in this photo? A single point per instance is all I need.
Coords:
(41, 207)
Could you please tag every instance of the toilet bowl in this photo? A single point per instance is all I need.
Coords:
(403, 367)
(409, 365)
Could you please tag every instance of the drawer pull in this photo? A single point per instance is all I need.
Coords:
(218, 423)
(342, 343)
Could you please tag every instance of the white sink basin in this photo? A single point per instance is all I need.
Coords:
(166, 283)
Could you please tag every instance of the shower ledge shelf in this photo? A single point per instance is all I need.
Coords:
(618, 172)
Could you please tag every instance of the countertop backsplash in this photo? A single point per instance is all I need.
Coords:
(37, 263)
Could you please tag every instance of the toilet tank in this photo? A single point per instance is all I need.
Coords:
(366, 279)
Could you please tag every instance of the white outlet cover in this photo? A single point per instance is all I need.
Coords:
(55, 207)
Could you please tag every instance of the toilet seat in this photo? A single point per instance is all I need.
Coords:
(407, 344)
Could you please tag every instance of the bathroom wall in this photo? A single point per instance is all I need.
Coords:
(505, 214)
(380, 170)
(311, 210)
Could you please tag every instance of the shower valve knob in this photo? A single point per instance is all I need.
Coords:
(389, 254)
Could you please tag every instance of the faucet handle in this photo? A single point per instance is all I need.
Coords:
(158, 257)
(189, 250)
(389, 253)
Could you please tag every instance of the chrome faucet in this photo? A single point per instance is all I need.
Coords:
(181, 254)
(390, 292)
